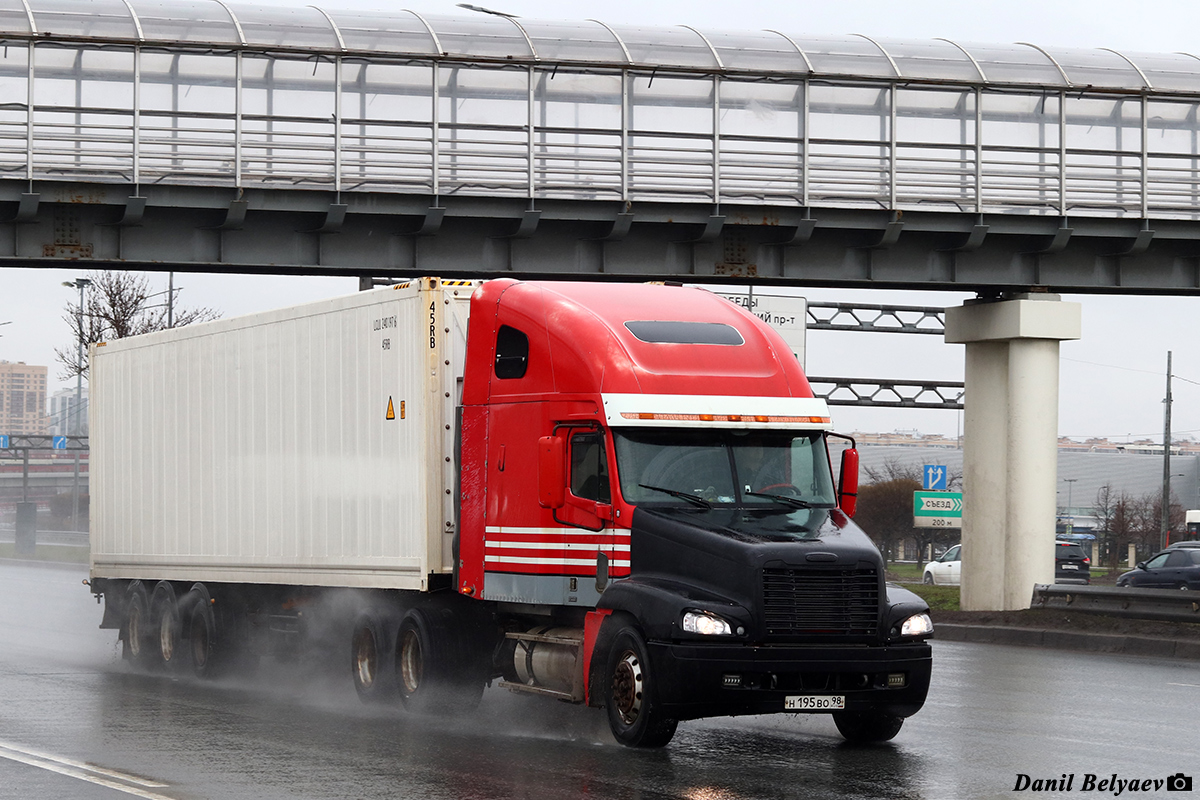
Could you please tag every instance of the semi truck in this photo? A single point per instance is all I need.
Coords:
(617, 495)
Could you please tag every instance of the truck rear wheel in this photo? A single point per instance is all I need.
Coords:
(136, 645)
(204, 641)
(633, 714)
(864, 727)
(370, 658)
(166, 625)
(434, 669)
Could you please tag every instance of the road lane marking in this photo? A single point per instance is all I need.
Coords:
(112, 779)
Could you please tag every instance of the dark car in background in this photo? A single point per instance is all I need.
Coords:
(1173, 568)
(1071, 564)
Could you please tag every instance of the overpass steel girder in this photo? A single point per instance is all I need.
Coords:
(875, 318)
(885, 393)
(291, 231)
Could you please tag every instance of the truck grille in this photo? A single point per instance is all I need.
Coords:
(807, 602)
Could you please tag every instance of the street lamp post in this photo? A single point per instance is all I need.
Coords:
(1070, 482)
(1166, 509)
(1166, 490)
(76, 419)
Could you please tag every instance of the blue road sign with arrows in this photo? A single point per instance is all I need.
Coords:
(935, 477)
(3, 441)
(59, 443)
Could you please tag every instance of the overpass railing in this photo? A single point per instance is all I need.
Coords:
(114, 111)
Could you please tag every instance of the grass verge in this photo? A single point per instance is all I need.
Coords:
(940, 598)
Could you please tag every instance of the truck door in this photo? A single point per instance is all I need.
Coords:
(589, 495)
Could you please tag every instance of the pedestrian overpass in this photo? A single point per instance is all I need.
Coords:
(200, 135)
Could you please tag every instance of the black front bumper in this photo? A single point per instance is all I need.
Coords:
(708, 680)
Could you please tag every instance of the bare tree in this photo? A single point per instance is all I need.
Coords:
(1104, 508)
(1138, 521)
(118, 305)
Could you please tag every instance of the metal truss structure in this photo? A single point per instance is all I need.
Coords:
(884, 393)
(882, 319)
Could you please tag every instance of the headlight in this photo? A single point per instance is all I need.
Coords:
(706, 624)
(917, 625)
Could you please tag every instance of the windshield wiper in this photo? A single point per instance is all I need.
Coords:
(794, 502)
(694, 499)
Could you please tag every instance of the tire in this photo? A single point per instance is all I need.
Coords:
(928, 580)
(166, 627)
(436, 667)
(136, 642)
(370, 658)
(633, 713)
(204, 639)
(865, 727)
(1182, 586)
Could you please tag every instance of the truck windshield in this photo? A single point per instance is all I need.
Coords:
(789, 469)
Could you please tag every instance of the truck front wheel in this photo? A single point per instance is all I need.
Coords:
(633, 716)
(863, 727)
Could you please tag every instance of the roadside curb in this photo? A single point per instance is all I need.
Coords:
(1070, 640)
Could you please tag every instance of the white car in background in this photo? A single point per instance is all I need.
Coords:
(945, 571)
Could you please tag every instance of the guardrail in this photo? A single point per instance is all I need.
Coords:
(61, 538)
(1168, 605)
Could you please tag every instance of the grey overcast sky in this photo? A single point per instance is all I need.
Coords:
(1112, 380)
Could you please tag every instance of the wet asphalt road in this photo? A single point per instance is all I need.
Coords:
(72, 714)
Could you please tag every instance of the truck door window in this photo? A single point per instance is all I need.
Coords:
(589, 467)
(512, 353)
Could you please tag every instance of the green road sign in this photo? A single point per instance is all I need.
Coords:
(937, 509)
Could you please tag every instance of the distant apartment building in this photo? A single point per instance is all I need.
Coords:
(23, 399)
(64, 415)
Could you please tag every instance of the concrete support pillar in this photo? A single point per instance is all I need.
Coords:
(25, 529)
(1010, 444)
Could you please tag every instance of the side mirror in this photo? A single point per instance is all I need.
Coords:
(1141, 565)
(848, 482)
(552, 472)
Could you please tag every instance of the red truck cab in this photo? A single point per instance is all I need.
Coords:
(646, 466)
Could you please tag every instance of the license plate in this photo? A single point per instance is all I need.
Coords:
(1070, 566)
(811, 702)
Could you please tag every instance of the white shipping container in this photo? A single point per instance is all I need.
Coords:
(311, 445)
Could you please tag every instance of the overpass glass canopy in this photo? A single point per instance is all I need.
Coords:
(215, 93)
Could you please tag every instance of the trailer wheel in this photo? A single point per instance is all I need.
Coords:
(136, 645)
(633, 713)
(206, 645)
(166, 625)
(370, 661)
(864, 727)
(435, 667)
